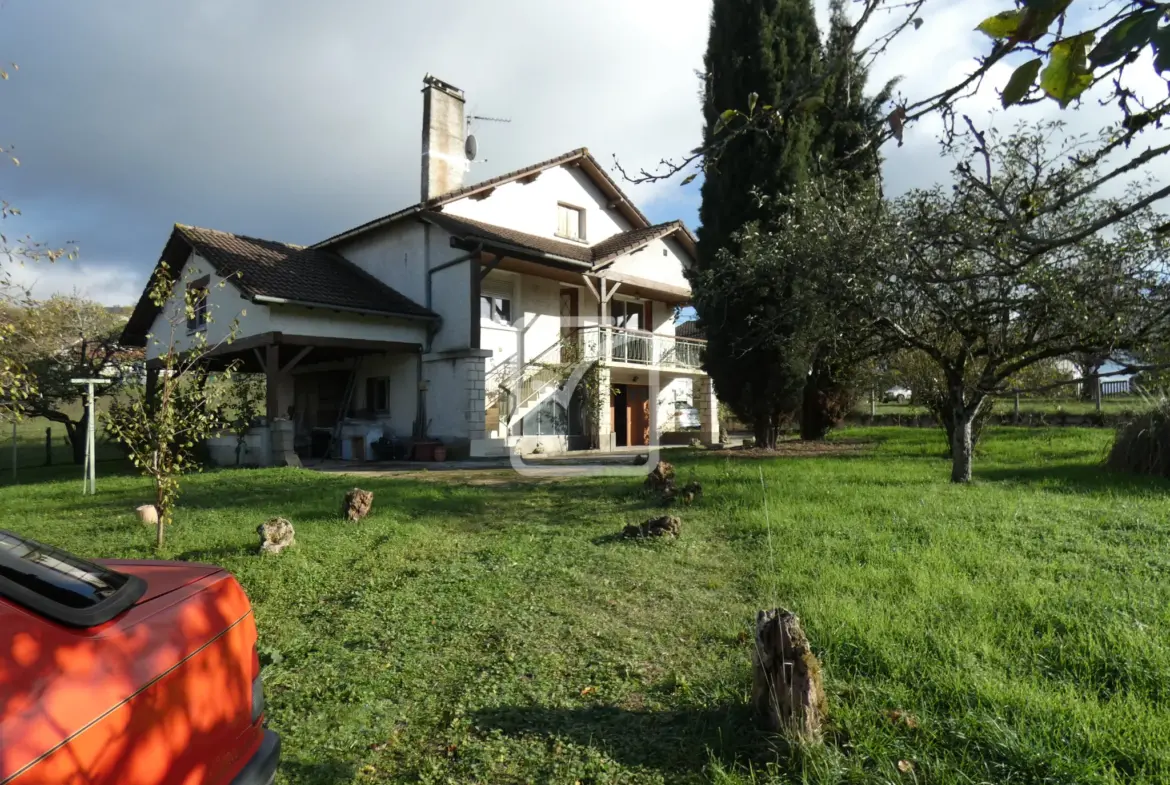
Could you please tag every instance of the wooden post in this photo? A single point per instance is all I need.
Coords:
(151, 388)
(1097, 391)
(872, 403)
(49, 446)
(272, 374)
(14, 448)
(1017, 407)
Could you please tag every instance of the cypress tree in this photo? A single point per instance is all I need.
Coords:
(771, 48)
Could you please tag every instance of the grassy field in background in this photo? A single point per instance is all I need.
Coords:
(483, 628)
(30, 442)
(1109, 405)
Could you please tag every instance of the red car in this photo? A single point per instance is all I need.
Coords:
(127, 673)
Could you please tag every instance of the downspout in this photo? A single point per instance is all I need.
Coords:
(431, 271)
(420, 428)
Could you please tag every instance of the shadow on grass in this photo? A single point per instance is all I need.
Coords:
(64, 472)
(326, 772)
(1079, 478)
(670, 741)
(216, 554)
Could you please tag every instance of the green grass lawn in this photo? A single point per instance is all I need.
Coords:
(497, 633)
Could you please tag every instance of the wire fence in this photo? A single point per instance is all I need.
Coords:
(34, 443)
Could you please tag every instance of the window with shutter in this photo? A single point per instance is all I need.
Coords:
(570, 222)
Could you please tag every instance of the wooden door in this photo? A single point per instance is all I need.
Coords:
(638, 399)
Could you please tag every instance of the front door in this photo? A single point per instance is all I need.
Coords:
(638, 397)
(569, 313)
(620, 414)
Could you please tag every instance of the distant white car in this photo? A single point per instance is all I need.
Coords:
(687, 415)
(896, 394)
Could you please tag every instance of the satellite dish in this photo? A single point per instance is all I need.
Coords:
(471, 148)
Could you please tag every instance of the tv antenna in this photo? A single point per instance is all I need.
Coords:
(471, 147)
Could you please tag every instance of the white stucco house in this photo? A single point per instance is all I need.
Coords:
(446, 318)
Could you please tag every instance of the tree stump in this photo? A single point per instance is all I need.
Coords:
(148, 514)
(786, 692)
(275, 535)
(692, 491)
(666, 526)
(661, 480)
(357, 505)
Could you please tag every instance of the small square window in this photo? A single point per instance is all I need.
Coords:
(570, 222)
(495, 309)
(378, 394)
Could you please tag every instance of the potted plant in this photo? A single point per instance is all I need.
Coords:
(385, 448)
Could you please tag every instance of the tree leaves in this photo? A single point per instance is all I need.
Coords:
(897, 120)
(1161, 41)
(1131, 33)
(753, 98)
(726, 117)
(1021, 82)
(1002, 25)
(1067, 74)
(1026, 24)
(690, 178)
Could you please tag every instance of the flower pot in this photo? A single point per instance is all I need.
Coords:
(425, 451)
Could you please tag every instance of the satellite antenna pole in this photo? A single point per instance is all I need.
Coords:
(471, 148)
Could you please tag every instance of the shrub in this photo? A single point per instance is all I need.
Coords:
(1142, 445)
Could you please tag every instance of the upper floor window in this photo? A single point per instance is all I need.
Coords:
(197, 303)
(628, 314)
(570, 222)
(495, 309)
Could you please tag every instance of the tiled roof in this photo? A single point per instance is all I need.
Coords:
(581, 154)
(264, 268)
(625, 242)
(610, 248)
(465, 228)
(292, 272)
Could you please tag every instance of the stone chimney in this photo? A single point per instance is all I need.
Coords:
(444, 159)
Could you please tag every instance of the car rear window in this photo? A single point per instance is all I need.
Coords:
(61, 586)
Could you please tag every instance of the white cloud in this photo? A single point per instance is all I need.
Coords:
(103, 283)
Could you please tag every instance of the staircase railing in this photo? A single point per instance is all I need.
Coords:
(512, 386)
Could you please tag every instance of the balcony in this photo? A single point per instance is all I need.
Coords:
(617, 346)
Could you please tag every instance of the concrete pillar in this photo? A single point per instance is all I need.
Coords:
(708, 406)
(474, 370)
(280, 433)
(151, 388)
(605, 436)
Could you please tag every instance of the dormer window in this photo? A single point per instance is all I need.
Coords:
(570, 222)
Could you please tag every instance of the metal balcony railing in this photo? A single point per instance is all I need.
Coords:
(617, 345)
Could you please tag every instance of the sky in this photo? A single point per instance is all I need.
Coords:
(293, 120)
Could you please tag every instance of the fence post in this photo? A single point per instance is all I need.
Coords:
(1017, 407)
(49, 446)
(872, 403)
(1097, 395)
